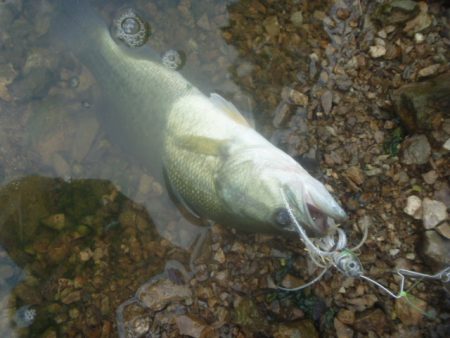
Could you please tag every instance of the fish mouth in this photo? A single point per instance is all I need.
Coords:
(322, 224)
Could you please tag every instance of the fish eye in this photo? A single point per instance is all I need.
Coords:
(282, 217)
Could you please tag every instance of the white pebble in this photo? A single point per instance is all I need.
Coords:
(413, 207)
(419, 37)
(446, 145)
(377, 51)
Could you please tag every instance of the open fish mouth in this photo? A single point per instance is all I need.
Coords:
(322, 223)
(316, 222)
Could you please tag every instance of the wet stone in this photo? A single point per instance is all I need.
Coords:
(163, 292)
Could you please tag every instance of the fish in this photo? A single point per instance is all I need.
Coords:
(215, 162)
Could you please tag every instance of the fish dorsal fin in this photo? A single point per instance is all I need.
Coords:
(228, 108)
(203, 145)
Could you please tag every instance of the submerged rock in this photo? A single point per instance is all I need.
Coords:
(158, 294)
(416, 150)
(418, 104)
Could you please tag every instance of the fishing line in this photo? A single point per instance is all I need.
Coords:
(334, 253)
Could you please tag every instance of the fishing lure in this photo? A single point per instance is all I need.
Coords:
(330, 252)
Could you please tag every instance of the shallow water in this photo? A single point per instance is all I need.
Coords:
(78, 214)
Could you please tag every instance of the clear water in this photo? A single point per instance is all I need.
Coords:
(82, 224)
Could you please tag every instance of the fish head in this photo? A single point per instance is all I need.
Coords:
(269, 187)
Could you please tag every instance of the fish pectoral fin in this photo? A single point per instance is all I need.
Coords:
(203, 145)
(228, 108)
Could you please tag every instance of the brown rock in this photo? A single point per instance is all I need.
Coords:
(410, 310)
(70, 297)
(272, 26)
(161, 293)
(371, 320)
(346, 316)
(428, 71)
(355, 174)
(302, 328)
(342, 330)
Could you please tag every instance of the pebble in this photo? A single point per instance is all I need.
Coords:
(298, 98)
(413, 207)
(297, 18)
(346, 316)
(434, 212)
(428, 71)
(419, 37)
(430, 177)
(272, 26)
(326, 100)
(416, 150)
(377, 51)
(355, 174)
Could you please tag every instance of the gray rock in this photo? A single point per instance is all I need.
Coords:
(435, 249)
(416, 150)
(434, 212)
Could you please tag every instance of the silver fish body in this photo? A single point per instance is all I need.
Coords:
(215, 162)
